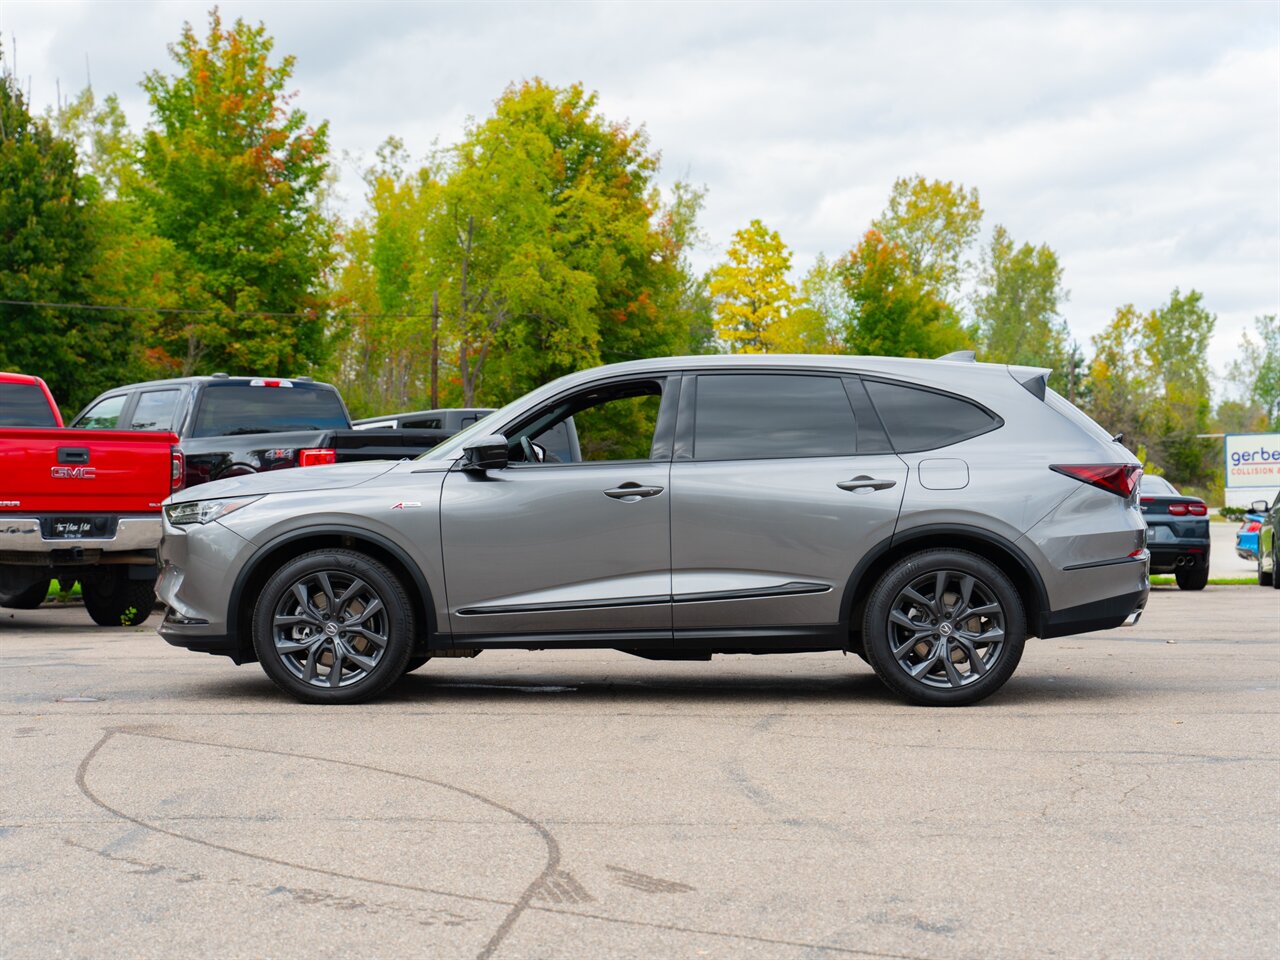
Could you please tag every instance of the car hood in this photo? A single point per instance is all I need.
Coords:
(292, 480)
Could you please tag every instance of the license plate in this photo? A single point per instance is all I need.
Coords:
(74, 528)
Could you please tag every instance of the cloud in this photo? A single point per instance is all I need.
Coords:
(1140, 141)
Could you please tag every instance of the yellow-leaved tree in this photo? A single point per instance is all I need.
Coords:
(752, 296)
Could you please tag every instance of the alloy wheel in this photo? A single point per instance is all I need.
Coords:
(330, 629)
(946, 629)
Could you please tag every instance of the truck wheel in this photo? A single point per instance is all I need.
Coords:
(29, 598)
(944, 628)
(1192, 578)
(333, 626)
(113, 600)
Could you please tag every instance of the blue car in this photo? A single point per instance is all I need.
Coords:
(1247, 536)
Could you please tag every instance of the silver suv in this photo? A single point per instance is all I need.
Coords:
(927, 515)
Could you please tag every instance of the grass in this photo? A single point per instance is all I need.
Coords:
(1168, 581)
(56, 594)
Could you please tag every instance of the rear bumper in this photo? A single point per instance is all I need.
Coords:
(23, 535)
(1098, 615)
(1181, 554)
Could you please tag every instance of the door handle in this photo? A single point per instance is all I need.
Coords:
(866, 483)
(631, 492)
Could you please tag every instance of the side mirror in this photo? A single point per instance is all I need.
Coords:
(1259, 506)
(485, 453)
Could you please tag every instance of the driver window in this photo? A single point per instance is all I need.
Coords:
(603, 424)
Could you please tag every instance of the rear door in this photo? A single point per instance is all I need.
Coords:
(781, 482)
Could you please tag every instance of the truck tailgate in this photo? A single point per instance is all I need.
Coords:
(84, 471)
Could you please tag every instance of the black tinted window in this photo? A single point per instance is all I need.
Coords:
(240, 408)
(155, 410)
(24, 405)
(762, 416)
(922, 420)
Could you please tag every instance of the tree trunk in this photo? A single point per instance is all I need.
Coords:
(435, 350)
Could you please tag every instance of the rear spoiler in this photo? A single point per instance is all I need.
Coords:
(1035, 380)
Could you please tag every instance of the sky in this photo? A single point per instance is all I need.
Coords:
(1140, 141)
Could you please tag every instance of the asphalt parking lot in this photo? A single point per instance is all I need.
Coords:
(1119, 798)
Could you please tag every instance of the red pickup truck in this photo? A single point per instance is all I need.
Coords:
(79, 505)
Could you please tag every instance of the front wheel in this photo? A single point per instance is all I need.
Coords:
(944, 628)
(333, 626)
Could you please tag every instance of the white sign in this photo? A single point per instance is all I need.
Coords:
(1253, 460)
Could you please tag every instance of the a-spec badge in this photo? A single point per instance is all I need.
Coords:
(406, 505)
(10, 503)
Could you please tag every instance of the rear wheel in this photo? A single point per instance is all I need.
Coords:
(944, 628)
(113, 600)
(333, 626)
(28, 599)
(1192, 578)
(1275, 567)
(1265, 576)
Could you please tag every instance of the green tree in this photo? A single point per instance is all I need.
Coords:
(232, 177)
(552, 250)
(1256, 370)
(1017, 308)
(751, 291)
(934, 223)
(892, 311)
(383, 357)
(1149, 379)
(46, 255)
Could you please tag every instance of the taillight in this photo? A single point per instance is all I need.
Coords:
(316, 456)
(177, 470)
(1253, 527)
(1178, 509)
(1118, 478)
(1197, 509)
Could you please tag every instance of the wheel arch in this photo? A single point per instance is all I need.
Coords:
(254, 575)
(1012, 561)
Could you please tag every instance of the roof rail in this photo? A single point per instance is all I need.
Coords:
(960, 356)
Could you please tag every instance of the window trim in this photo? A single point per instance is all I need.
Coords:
(664, 427)
(997, 421)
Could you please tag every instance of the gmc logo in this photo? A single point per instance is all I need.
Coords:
(73, 473)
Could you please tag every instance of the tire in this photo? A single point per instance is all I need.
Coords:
(28, 599)
(909, 590)
(113, 600)
(356, 619)
(1192, 578)
(1266, 577)
(1275, 567)
(415, 663)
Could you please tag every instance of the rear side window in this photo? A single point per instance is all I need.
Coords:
(918, 419)
(765, 416)
(24, 405)
(155, 410)
(243, 409)
(103, 415)
(422, 423)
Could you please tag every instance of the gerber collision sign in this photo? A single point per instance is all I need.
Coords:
(1253, 460)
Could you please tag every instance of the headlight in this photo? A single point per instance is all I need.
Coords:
(203, 511)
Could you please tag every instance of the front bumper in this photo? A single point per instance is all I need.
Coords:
(198, 567)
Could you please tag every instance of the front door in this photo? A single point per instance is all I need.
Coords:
(572, 540)
(781, 483)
